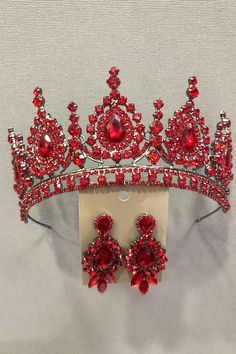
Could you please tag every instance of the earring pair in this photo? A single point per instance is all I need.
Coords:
(144, 259)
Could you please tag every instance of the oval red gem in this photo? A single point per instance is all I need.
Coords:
(189, 138)
(104, 258)
(145, 256)
(45, 145)
(115, 129)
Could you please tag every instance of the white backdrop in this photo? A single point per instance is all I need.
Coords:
(67, 47)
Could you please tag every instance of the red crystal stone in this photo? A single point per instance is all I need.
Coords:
(114, 71)
(113, 82)
(158, 104)
(78, 159)
(145, 256)
(104, 258)
(103, 224)
(136, 279)
(102, 285)
(156, 127)
(193, 92)
(143, 286)
(45, 145)
(153, 156)
(72, 106)
(146, 224)
(228, 158)
(115, 130)
(189, 137)
(38, 101)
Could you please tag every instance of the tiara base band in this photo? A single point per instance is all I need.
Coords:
(125, 176)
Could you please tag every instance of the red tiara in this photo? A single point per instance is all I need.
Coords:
(119, 150)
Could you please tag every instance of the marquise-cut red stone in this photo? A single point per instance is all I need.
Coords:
(143, 286)
(145, 256)
(115, 129)
(45, 145)
(189, 138)
(104, 258)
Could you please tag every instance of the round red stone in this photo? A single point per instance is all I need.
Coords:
(193, 92)
(104, 258)
(189, 138)
(115, 130)
(145, 256)
(45, 145)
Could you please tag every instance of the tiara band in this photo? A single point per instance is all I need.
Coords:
(122, 151)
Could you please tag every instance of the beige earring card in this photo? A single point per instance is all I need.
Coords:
(124, 205)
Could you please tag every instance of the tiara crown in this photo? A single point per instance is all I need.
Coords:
(119, 150)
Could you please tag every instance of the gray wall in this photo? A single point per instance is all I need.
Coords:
(67, 47)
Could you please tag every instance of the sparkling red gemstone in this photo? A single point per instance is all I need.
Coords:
(193, 80)
(38, 101)
(137, 117)
(146, 224)
(143, 286)
(104, 258)
(158, 104)
(228, 158)
(153, 156)
(193, 92)
(73, 118)
(130, 107)
(99, 109)
(78, 159)
(113, 82)
(145, 257)
(136, 279)
(72, 106)
(156, 127)
(158, 115)
(114, 71)
(45, 146)
(115, 130)
(115, 94)
(102, 285)
(103, 224)
(74, 143)
(106, 101)
(189, 138)
(122, 100)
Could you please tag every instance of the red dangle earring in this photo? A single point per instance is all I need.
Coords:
(103, 256)
(146, 257)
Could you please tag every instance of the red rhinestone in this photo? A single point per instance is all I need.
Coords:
(156, 140)
(92, 281)
(45, 146)
(113, 82)
(143, 286)
(130, 107)
(158, 104)
(70, 183)
(140, 128)
(78, 159)
(135, 148)
(101, 179)
(38, 101)
(92, 118)
(193, 80)
(206, 140)
(189, 137)
(153, 156)
(228, 158)
(205, 129)
(103, 224)
(90, 129)
(136, 177)
(74, 129)
(114, 71)
(91, 140)
(127, 154)
(120, 178)
(72, 106)
(146, 224)
(73, 118)
(122, 100)
(200, 120)
(137, 117)
(210, 171)
(193, 92)
(102, 285)
(99, 109)
(116, 157)
(115, 94)
(105, 154)
(104, 258)
(156, 127)
(139, 138)
(115, 130)
(37, 91)
(158, 115)
(136, 279)
(74, 143)
(106, 101)
(84, 181)
(97, 152)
